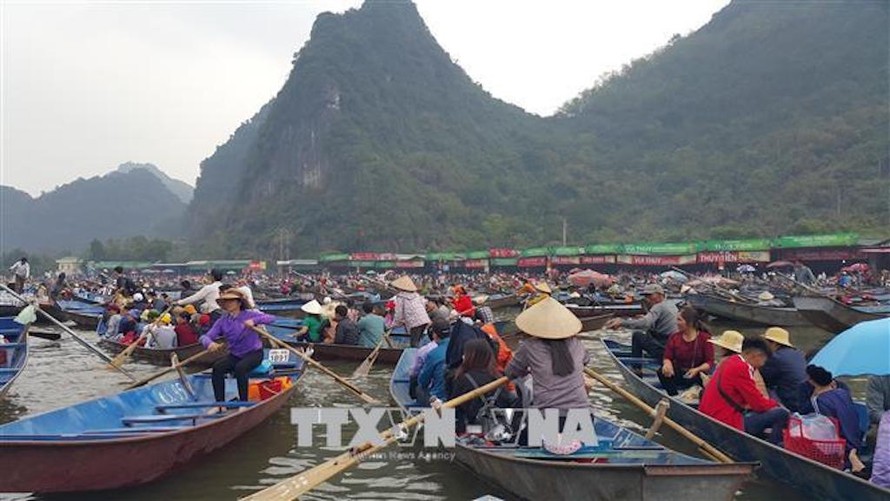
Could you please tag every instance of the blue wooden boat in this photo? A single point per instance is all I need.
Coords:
(133, 437)
(809, 477)
(624, 465)
(16, 349)
(85, 315)
(284, 328)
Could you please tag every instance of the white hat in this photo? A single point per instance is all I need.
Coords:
(312, 307)
(766, 296)
(548, 319)
(138, 297)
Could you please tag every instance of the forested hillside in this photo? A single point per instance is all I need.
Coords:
(771, 119)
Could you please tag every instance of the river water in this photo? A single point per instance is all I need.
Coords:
(63, 372)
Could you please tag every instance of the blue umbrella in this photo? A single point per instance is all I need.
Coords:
(863, 349)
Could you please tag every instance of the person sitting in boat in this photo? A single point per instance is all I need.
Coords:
(114, 320)
(245, 346)
(185, 332)
(370, 326)
(553, 356)
(438, 330)
(410, 310)
(204, 324)
(732, 397)
(687, 354)
(462, 302)
(541, 291)
(313, 323)
(206, 296)
(161, 336)
(478, 369)
(504, 353)
(347, 330)
(830, 399)
(655, 327)
(432, 375)
(877, 397)
(785, 370)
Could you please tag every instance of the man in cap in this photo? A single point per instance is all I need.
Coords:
(207, 295)
(785, 370)
(732, 397)
(652, 330)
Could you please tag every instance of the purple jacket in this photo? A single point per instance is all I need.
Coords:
(241, 339)
(880, 471)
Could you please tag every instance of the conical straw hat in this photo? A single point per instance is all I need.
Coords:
(731, 340)
(312, 307)
(404, 283)
(548, 319)
(543, 287)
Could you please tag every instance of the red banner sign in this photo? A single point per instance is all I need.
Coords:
(734, 257)
(656, 260)
(569, 260)
(475, 263)
(597, 259)
(823, 255)
(503, 253)
(409, 264)
(364, 256)
(532, 262)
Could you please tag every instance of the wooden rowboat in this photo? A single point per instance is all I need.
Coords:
(162, 357)
(620, 310)
(16, 349)
(386, 355)
(624, 465)
(747, 313)
(812, 479)
(831, 315)
(133, 437)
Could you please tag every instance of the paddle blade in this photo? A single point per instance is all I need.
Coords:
(121, 358)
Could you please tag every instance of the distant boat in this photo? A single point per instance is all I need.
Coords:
(133, 437)
(830, 314)
(812, 479)
(624, 465)
(747, 312)
(158, 356)
(16, 349)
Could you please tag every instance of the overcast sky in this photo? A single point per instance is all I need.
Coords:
(89, 85)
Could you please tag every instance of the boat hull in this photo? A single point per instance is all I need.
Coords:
(17, 358)
(162, 357)
(747, 313)
(83, 320)
(532, 479)
(70, 466)
(804, 475)
(321, 351)
(830, 315)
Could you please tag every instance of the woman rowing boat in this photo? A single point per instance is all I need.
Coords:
(245, 346)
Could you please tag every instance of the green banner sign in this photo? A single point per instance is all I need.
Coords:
(568, 251)
(604, 249)
(477, 255)
(504, 261)
(536, 252)
(757, 244)
(329, 258)
(673, 249)
(831, 240)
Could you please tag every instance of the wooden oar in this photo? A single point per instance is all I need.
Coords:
(293, 487)
(365, 367)
(121, 358)
(71, 333)
(705, 447)
(51, 336)
(346, 384)
(168, 370)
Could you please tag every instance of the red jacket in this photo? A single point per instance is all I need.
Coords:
(736, 380)
(464, 306)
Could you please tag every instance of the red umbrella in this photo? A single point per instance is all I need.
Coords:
(856, 268)
(779, 264)
(586, 277)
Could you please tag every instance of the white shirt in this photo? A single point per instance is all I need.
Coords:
(248, 295)
(208, 294)
(21, 269)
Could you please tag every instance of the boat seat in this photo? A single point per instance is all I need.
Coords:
(161, 418)
(130, 431)
(202, 405)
